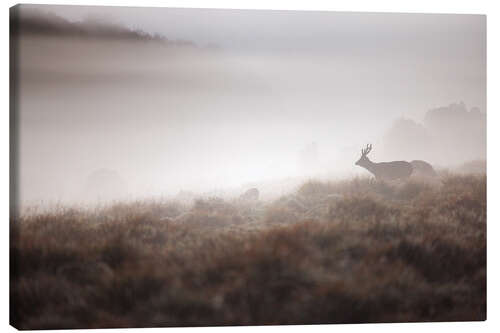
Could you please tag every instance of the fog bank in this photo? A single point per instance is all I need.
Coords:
(153, 113)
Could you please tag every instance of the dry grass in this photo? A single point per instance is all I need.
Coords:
(343, 252)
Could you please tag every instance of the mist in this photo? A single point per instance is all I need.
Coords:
(120, 103)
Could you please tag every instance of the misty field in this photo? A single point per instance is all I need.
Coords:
(349, 251)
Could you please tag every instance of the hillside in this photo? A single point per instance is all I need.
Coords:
(350, 251)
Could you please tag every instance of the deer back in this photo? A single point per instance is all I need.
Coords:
(392, 170)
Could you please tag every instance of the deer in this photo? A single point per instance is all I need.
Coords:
(385, 170)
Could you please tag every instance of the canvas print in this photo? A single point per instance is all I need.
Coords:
(215, 167)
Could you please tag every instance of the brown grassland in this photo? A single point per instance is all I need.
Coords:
(351, 251)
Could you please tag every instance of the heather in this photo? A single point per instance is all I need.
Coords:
(347, 251)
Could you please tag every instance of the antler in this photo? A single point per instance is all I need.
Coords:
(365, 151)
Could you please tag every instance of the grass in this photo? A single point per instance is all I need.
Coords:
(351, 251)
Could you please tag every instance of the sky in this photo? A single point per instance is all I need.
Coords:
(300, 31)
(240, 106)
(421, 50)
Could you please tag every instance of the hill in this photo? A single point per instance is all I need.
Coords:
(351, 251)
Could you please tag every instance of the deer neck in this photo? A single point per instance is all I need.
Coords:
(370, 166)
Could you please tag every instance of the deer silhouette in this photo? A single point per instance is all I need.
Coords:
(385, 170)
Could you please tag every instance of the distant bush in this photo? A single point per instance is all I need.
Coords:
(314, 188)
(477, 166)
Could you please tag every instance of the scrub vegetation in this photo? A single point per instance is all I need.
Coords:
(350, 251)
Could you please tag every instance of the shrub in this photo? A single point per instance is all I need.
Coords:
(374, 252)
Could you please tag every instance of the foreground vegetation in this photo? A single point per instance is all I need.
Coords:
(350, 251)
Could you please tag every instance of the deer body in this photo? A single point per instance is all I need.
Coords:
(389, 170)
(385, 170)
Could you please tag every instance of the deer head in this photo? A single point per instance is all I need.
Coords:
(363, 160)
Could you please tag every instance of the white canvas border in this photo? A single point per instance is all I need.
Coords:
(422, 6)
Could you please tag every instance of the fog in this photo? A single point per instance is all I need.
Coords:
(144, 102)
